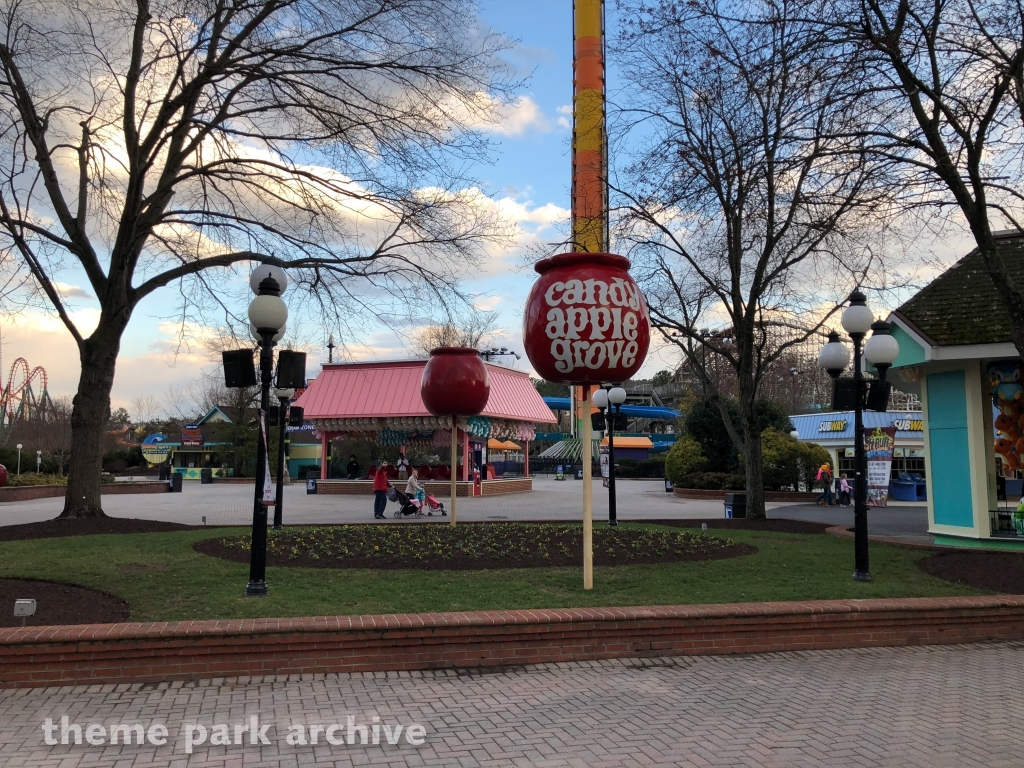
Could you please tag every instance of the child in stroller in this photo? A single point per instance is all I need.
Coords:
(406, 506)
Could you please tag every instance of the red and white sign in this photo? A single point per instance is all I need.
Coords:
(586, 320)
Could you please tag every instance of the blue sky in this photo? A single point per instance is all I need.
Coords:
(530, 176)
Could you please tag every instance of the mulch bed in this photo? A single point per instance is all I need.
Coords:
(59, 604)
(51, 529)
(774, 525)
(471, 546)
(993, 571)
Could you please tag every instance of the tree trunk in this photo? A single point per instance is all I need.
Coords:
(89, 415)
(753, 467)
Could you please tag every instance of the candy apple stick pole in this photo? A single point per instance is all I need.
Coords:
(588, 496)
(455, 458)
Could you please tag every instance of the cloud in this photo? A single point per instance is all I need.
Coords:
(72, 291)
(564, 119)
(487, 304)
(487, 114)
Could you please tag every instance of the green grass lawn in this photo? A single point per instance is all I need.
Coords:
(192, 586)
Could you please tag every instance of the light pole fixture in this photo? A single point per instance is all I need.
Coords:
(487, 354)
(881, 350)
(39, 461)
(610, 399)
(268, 314)
(19, 458)
(284, 396)
(330, 349)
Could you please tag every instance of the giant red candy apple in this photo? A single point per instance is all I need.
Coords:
(455, 382)
(3, 475)
(586, 320)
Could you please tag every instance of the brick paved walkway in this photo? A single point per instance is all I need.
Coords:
(931, 707)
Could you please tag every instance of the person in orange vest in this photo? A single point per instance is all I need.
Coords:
(380, 490)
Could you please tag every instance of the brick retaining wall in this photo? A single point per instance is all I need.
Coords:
(796, 497)
(188, 650)
(29, 492)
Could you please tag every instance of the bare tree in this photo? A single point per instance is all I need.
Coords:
(166, 142)
(475, 328)
(947, 79)
(748, 218)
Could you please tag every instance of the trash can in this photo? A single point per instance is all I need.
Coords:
(668, 485)
(205, 476)
(165, 473)
(735, 505)
(174, 481)
(310, 487)
(579, 473)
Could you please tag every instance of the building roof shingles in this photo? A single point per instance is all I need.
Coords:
(960, 307)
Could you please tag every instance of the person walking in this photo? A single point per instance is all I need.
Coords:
(380, 490)
(825, 478)
(414, 489)
(844, 490)
(352, 469)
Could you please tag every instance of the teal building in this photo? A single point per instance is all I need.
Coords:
(957, 355)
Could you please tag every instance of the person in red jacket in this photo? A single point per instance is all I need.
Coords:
(380, 490)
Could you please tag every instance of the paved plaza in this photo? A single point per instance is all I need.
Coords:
(956, 706)
(231, 504)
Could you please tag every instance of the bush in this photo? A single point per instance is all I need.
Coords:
(714, 481)
(812, 456)
(684, 458)
(652, 467)
(42, 478)
(780, 460)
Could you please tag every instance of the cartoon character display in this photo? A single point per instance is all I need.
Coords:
(1008, 400)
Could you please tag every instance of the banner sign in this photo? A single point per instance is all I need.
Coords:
(879, 444)
(604, 462)
(269, 498)
(191, 435)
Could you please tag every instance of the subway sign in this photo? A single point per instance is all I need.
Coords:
(909, 425)
(832, 426)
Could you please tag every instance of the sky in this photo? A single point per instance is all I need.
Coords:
(529, 178)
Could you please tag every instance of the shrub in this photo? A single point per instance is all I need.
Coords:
(652, 467)
(684, 458)
(780, 460)
(713, 481)
(812, 456)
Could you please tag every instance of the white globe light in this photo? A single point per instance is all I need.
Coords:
(600, 398)
(834, 356)
(881, 349)
(795, 435)
(256, 336)
(19, 446)
(284, 394)
(265, 270)
(268, 312)
(857, 319)
(617, 395)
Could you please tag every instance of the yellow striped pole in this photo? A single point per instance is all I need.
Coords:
(589, 144)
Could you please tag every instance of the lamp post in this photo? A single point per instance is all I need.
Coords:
(610, 398)
(283, 396)
(268, 313)
(881, 350)
(39, 461)
(330, 349)
(19, 458)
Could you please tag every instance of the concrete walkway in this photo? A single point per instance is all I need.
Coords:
(933, 707)
(231, 504)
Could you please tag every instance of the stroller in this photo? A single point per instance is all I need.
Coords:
(406, 507)
(412, 507)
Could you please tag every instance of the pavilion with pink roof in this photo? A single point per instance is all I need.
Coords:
(381, 401)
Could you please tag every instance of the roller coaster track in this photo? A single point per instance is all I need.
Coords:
(18, 400)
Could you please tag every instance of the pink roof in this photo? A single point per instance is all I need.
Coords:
(364, 390)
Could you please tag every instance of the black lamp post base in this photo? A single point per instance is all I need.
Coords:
(279, 527)
(613, 522)
(256, 589)
(861, 576)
